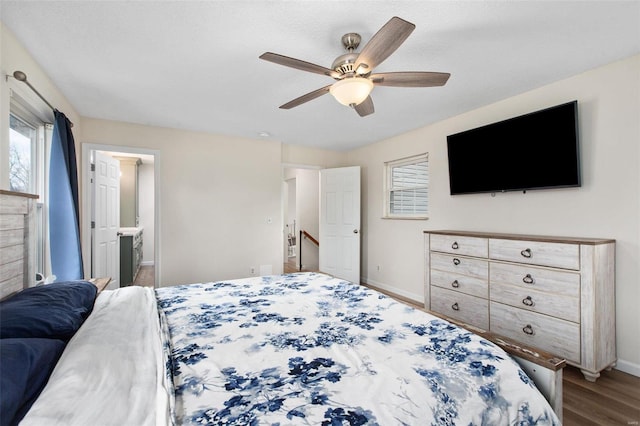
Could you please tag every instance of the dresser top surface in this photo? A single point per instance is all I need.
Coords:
(541, 238)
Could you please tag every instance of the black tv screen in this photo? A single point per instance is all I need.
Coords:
(533, 151)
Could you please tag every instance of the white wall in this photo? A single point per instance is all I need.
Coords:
(607, 205)
(219, 200)
(146, 201)
(294, 156)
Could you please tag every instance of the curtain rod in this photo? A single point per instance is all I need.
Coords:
(20, 76)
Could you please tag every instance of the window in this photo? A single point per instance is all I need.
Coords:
(407, 188)
(22, 155)
(29, 144)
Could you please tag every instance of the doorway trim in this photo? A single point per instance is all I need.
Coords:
(86, 201)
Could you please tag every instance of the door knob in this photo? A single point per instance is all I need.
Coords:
(355, 231)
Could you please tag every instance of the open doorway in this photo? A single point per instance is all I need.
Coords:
(135, 259)
(290, 227)
(300, 194)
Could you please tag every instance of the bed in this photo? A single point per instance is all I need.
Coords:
(291, 349)
(287, 349)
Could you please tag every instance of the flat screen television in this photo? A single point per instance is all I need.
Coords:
(534, 151)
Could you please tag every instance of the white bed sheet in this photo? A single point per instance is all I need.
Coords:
(122, 382)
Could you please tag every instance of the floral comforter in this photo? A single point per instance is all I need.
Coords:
(314, 350)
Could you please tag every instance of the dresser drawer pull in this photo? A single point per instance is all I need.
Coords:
(527, 329)
(455, 284)
(526, 253)
(455, 307)
(528, 279)
(454, 245)
(456, 261)
(527, 301)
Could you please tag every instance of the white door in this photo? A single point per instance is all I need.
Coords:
(106, 208)
(340, 223)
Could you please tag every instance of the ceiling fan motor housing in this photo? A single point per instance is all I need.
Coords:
(344, 64)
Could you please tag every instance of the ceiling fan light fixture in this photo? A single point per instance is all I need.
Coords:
(353, 70)
(351, 90)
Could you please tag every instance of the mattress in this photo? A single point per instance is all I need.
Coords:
(311, 349)
(301, 348)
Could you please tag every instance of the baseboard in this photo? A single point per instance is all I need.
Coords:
(628, 367)
(147, 263)
(417, 298)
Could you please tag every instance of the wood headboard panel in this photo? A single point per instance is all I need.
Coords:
(17, 241)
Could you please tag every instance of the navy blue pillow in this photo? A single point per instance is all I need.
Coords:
(25, 367)
(53, 311)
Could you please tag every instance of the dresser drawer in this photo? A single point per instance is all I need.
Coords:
(557, 255)
(553, 335)
(564, 307)
(462, 283)
(462, 307)
(464, 246)
(460, 265)
(553, 281)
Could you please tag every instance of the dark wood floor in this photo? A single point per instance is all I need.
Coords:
(614, 399)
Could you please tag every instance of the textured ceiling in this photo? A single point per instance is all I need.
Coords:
(194, 64)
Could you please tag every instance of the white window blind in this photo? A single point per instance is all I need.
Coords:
(407, 187)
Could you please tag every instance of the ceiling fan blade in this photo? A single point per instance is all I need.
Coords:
(365, 107)
(298, 64)
(306, 98)
(410, 79)
(384, 43)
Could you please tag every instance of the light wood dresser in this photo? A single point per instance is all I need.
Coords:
(552, 293)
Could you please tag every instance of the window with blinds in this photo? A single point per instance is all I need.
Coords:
(407, 188)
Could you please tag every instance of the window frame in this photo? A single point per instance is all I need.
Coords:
(23, 110)
(388, 188)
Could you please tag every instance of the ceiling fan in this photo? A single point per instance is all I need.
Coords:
(353, 71)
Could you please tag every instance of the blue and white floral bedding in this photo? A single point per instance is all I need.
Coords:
(313, 350)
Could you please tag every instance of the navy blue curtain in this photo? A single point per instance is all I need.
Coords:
(64, 211)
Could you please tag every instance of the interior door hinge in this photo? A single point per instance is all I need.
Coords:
(93, 224)
(93, 167)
